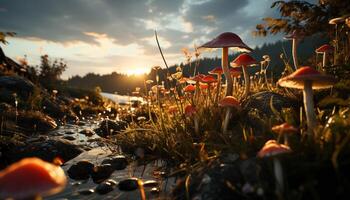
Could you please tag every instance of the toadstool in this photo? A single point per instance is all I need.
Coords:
(295, 37)
(283, 130)
(229, 102)
(324, 49)
(31, 178)
(307, 79)
(224, 41)
(244, 60)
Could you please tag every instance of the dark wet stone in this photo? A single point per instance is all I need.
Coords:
(155, 191)
(86, 191)
(87, 132)
(104, 188)
(101, 172)
(35, 121)
(69, 133)
(150, 183)
(87, 148)
(81, 170)
(69, 137)
(109, 127)
(44, 148)
(18, 84)
(129, 184)
(118, 162)
(111, 181)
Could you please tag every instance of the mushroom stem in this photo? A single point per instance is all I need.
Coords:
(246, 82)
(226, 120)
(294, 53)
(324, 60)
(218, 88)
(286, 142)
(309, 107)
(196, 125)
(277, 168)
(224, 65)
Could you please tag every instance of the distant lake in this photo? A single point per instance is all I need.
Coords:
(123, 99)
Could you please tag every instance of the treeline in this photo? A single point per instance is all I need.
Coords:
(125, 84)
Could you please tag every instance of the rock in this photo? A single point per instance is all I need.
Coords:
(261, 102)
(69, 133)
(69, 137)
(81, 170)
(101, 173)
(18, 84)
(150, 183)
(155, 191)
(46, 149)
(87, 132)
(257, 109)
(111, 181)
(109, 127)
(86, 191)
(34, 121)
(118, 162)
(104, 188)
(129, 184)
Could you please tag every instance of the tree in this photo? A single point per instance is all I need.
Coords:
(50, 72)
(303, 16)
(3, 36)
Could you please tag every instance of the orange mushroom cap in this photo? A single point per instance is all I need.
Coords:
(297, 79)
(30, 177)
(229, 101)
(324, 48)
(197, 78)
(284, 128)
(243, 60)
(272, 148)
(189, 88)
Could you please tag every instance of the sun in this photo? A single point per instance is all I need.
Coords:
(137, 71)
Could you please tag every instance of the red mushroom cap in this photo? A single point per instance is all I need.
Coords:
(190, 110)
(325, 48)
(284, 128)
(30, 177)
(197, 78)
(243, 60)
(189, 88)
(217, 70)
(208, 79)
(272, 148)
(235, 71)
(297, 79)
(203, 86)
(229, 101)
(227, 39)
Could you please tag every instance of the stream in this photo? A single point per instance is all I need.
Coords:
(97, 153)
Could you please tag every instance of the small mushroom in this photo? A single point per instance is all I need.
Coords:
(284, 130)
(225, 41)
(217, 71)
(229, 102)
(244, 60)
(31, 178)
(295, 37)
(272, 149)
(324, 49)
(191, 111)
(307, 79)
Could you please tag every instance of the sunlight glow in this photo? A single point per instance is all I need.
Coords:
(137, 71)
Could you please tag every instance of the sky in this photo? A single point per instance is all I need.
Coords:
(103, 36)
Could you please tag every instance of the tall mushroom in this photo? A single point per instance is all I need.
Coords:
(307, 79)
(295, 37)
(225, 41)
(335, 22)
(244, 60)
(31, 178)
(324, 49)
